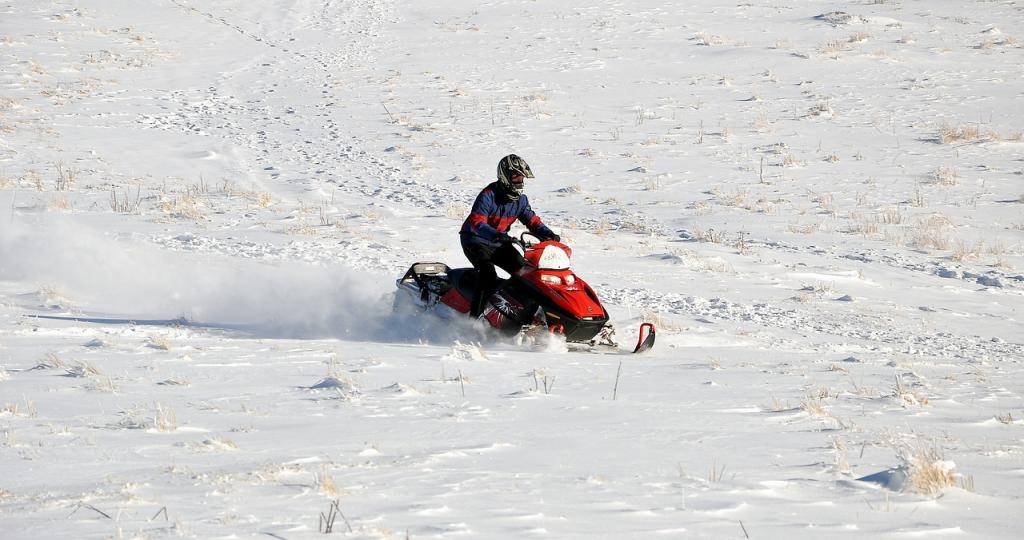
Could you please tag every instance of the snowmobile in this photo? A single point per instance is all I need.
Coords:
(544, 296)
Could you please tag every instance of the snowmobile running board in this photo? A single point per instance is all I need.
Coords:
(644, 344)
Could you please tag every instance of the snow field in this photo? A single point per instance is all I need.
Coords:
(818, 203)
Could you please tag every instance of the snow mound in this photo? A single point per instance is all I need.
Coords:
(839, 18)
(401, 390)
(466, 352)
(345, 389)
(894, 478)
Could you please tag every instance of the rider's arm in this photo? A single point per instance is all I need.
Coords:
(532, 221)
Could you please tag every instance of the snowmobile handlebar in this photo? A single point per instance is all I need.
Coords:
(522, 240)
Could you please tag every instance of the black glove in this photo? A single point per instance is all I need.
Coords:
(553, 236)
(502, 238)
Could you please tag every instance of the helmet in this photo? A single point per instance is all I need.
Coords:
(512, 170)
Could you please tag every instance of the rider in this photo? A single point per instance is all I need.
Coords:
(484, 234)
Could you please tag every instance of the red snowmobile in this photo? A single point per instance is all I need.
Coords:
(545, 295)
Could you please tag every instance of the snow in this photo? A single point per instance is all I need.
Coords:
(204, 206)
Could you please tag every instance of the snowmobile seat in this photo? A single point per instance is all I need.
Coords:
(464, 280)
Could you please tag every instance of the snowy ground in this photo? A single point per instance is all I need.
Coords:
(820, 203)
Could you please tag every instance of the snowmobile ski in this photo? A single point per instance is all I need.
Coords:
(644, 344)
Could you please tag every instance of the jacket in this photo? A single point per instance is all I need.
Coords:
(493, 212)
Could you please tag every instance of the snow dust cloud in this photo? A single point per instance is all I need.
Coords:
(86, 273)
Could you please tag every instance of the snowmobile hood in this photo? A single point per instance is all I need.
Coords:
(549, 255)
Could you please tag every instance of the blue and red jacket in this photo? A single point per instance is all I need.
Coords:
(492, 213)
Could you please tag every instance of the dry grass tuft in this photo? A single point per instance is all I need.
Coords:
(824, 201)
(808, 228)
(907, 396)
(931, 233)
(964, 251)
(215, 444)
(33, 179)
(996, 247)
(66, 176)
(864, 225)
(917, 199)
(325, 484)
(50, 361)
(165, 419)
(82, 369)
(892, 216)
(159, 343)
(126, 204)
(949, 133)
(262, 199)
(709, 235)
(187, 206)
(928, 473)
(896, 238)
(707, 40)
(334, 368)
(58, 203)
(13, 409)
(791, 161)
(54, 295)
(104, 384)
(833, 48)
(823, 109)
(842, 462)
(737, 199)
(573, 188)
(777, 405)
(762, 124)
(815, 407)
(661, 321)
(27, 410)
(946, 176)
(132, 419)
